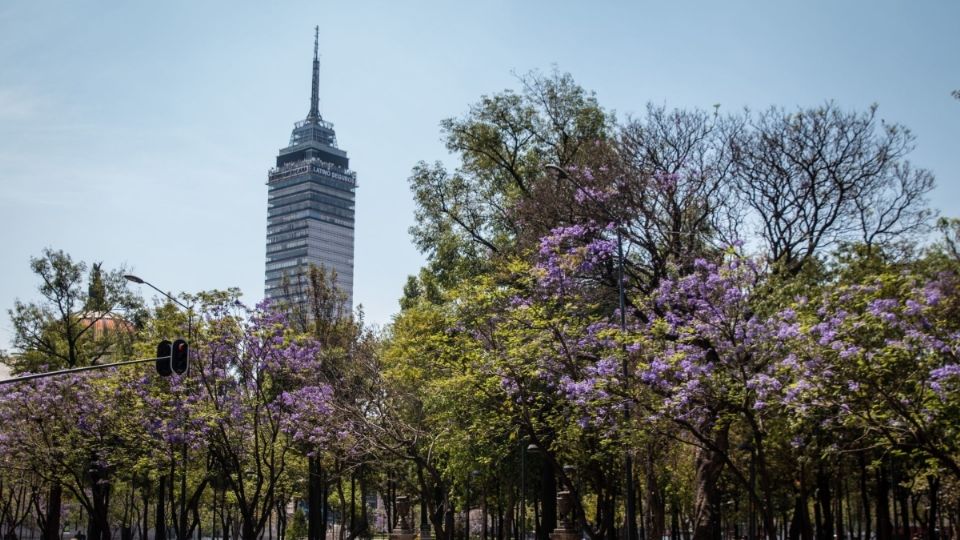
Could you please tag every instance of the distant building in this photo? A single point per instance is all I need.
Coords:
(310, 205)
(105, 322)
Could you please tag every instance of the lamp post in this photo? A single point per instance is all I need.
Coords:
(570, 471)
(182, 525)
(629, 495)
(533, 450)
(628, 459)
(523, 493)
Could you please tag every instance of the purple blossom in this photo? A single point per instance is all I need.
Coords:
(932, 294)
(571, 251)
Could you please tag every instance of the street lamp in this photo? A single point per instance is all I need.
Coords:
(534, 450)
(141, 281)
(575, 489)
(523, 493)
(629, 496)
(182, 525)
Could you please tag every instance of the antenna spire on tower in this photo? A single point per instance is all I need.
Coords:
(314, 114)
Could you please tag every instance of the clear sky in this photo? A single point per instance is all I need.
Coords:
(140, 133)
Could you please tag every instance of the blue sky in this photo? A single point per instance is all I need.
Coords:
(110, 112)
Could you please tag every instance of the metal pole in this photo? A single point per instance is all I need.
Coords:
(523, 492)
(141, 281)
(78, 370)
(628, 460)
(752, 525)
(183, 441)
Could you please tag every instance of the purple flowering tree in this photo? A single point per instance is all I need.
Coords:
(260, 398)
(75, 432)
(880, 357)
(710, 354)
(705, 360)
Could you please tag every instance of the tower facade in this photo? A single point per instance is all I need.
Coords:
(310, 206)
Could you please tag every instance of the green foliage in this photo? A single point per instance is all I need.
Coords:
(298, 529)
(72, 325)
(502, 144)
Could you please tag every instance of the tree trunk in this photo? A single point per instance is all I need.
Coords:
(501, 530)
(864, 494)
(54, 502)
(353, 505)
(656, 505)
(324, 507)
(548, 500)
(884, 527)
(248, 529)
(388, 504)
(801, 514)
(448, 520)
(609, 514)
(364, 522)
(342, 499)
(824, 504)
(638, 496)
(145, 499)
(933, 484)
(901, 510)
(709, 463)
(674, 519)
(484, 513)
(838, 501)
(766, 487)
(314, 500)
(438, 517)
(98, 528)
(161, 515)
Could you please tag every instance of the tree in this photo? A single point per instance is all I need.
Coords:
(502, 144)
(672, 196)
(879, 355)
(819, 177)
(321, 311)
(74, 431)
(679, 191)
(258, 398)
(71, 325)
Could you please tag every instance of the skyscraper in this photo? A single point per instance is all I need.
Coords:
(310, 204)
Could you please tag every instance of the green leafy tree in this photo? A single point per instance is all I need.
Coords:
(72, 325)
(502, 143)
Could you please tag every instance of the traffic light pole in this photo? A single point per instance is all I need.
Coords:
(183, 440)
(79, 369)
(182, 525)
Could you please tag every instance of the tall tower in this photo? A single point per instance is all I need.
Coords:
(310, 204)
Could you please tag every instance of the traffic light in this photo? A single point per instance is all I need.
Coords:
(179, 359)
(163, 358)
